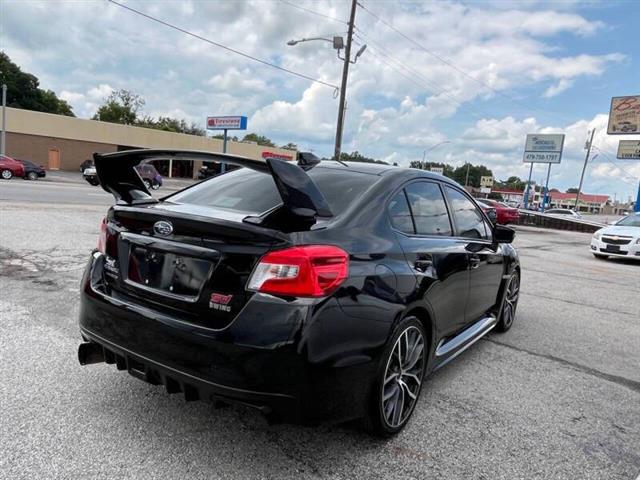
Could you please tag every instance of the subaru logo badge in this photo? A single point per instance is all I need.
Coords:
(163, 228)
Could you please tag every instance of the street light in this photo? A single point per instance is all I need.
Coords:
(339, 44)
(424, 154)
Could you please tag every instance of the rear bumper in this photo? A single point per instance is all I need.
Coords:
(276, 356)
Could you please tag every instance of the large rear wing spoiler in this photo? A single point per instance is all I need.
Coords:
(299, 193)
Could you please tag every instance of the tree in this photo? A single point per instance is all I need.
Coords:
(356, 156)
(572, 190)
(447, 169)
(475, 172)
(121, 106)
(259, 139)
(23, 90)
(290, 146)
(169, 124)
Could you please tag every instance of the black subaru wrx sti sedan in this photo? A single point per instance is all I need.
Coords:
(310, 291)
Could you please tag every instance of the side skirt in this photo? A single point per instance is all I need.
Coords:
(449, 349)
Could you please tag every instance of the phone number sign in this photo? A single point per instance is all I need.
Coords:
(629, 150)
(543, 148)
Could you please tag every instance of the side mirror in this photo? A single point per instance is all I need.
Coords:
(502, 234)
(493, 215)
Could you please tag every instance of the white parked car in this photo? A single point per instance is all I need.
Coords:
(619, 240)
(563, 212)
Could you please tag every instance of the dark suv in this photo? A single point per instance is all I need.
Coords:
(310, 291)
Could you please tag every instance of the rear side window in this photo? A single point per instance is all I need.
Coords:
(400, 213)
(245, 190)
(468, 219)
(428, 208)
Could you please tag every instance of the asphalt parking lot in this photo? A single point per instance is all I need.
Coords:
(557, 397)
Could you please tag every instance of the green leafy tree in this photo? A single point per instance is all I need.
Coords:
(475, 172)
(122, 106)
(169, 124)
(259, 139)
(290, 146)
(447, 169)
(23, 90)
(356, 156)
(572, 190)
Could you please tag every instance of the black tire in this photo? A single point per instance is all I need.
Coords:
(147, 184)
(155, 185)
(507, 312)
(32, 176)
(600, 256)
(401, 384)
(6, 174)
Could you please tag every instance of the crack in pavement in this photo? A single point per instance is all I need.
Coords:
(622, 381)
(604, 309)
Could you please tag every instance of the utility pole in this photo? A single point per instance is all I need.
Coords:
(466, 180)
(584, 167)
(3, 138)
(343, 85)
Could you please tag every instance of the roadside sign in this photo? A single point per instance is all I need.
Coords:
(486, 182)
(624, 116)
(629, 150)
(438, 170)
(485, 189)
(227, 123)
(543, 148)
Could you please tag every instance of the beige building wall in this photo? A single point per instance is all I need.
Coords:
(30, 136)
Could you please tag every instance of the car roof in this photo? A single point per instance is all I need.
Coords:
(383, 170)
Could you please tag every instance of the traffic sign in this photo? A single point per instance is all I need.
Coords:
(543, 148)
(629, 150)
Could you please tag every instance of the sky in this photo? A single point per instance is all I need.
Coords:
(474, 77)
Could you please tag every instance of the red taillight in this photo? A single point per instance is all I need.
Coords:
(306, 271)
(102, 238)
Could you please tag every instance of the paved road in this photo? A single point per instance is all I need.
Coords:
(557, 397)
(67, 192)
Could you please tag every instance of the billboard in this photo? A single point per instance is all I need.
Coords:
(543, 148)
(624, 116)
(227, 123)
(629, 150)
(438, 170)
(486, 182)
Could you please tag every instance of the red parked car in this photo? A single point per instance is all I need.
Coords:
(505, 213)
(10, 167)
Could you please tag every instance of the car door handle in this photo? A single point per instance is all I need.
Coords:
(423, 264)
(474, 261)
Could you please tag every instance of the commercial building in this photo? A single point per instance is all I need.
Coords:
(586, 203)
(58, 142)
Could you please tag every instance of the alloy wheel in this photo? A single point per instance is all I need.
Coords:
(6, 174)
(32, 176)
(403, 377)
(511, 300)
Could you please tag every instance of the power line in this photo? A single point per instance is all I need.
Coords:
(458, 69)
(229, 49)
(429, 85)
(313, 12)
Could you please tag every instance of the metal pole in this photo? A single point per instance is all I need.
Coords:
(584, 168)
(343, 85)
(526, 192)
(224, 150)
(3, 138)
(466, 180)
(637, 208)
(546, 190)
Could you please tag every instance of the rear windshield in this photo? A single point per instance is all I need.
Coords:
(252, 192)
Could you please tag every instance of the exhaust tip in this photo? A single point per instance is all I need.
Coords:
(89, 353)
